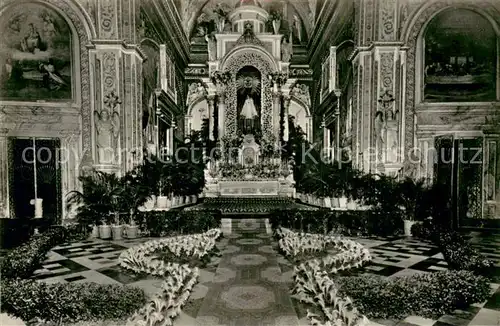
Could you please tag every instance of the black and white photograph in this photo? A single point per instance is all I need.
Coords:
(250, 162)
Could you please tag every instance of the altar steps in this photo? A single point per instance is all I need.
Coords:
(248, 207)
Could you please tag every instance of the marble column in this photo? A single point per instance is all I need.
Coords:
(286, 128)
(221, 108)
(4, 177)
(211, 117)
(277, 96)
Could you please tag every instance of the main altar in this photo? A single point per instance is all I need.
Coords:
(248, 92)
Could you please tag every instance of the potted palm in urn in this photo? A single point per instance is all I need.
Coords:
(164, 187)
(411, 193)
(136, 193)
(94, 202)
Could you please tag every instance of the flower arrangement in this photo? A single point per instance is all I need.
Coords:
(219, 77)
(255, 172)
(179, 279)
(313, 278)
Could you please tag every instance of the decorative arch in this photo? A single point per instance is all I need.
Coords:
(412, 34)
(301, 114)
(300, 102)
(83, 31)
(265, 63)
(196, 104)
(197, 111)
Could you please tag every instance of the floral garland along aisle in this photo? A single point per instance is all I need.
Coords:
(312, 279)
(179, 280)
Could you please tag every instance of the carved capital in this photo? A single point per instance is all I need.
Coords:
(286, 101)
(278, 78)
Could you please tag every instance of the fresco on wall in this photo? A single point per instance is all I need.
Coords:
(460, 58)
(35, 55)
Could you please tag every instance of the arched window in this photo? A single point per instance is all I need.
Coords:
(460, 58)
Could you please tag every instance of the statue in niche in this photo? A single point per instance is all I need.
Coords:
(286, 51)
(297, 27)
(212, 46)
(379, 128)
(107, 129)
(248, 114)
(248, 100)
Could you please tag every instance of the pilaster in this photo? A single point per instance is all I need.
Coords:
(4, 177)
(116, 75)
(211, 117)
(364, 106)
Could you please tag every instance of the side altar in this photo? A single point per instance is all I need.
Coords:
(248, 92)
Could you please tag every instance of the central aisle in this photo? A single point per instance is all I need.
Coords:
(249, 289)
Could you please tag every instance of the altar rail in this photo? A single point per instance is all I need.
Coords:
(250, 189)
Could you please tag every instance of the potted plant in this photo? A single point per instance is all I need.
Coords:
(136, 193)
(94, 201)
(410, 193)
(95, 232)
(275, 19)
(117, 227)
(105, 227)
(165, 187)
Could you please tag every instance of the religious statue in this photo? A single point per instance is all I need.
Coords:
(301, 91)
(107, 128)
(212, 47)
(248, 115)
(286, 51)
(195, 91)
(379, 128)
(297, 27)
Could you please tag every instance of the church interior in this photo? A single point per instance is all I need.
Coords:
(250, 162)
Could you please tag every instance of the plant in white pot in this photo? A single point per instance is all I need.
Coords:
(135, 194)
(117, 226)
(411, 193)
(165, 186)
(105, 227)
(94, 201)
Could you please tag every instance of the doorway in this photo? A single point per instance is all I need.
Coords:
(35, 173)
(458, 173)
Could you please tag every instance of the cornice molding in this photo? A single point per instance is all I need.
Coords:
(171, 29)
(332, 26)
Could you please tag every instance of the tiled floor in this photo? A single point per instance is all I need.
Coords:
(250, 266)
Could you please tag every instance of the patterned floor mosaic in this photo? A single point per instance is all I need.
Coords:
(248, 285)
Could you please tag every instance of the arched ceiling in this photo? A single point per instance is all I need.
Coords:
(191, 10)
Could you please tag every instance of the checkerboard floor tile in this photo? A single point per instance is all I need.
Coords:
(58, 268)
(86, 249)
(97, 261)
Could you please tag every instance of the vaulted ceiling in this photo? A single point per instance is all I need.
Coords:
(190, 10)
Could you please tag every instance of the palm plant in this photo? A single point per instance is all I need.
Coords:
(411, 193)
(136, 192)
(97, 199)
